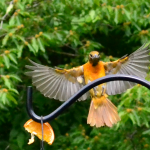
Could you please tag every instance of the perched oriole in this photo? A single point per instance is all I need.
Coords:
(62, 83)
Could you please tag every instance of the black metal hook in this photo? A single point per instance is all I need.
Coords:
(83, 90)
(42, 141)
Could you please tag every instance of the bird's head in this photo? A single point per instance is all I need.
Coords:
(94, 58)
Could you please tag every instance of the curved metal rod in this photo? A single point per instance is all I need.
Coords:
(76, 96)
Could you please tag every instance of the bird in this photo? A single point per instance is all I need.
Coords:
(61, 84)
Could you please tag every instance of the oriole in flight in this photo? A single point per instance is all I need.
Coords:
(63, 83)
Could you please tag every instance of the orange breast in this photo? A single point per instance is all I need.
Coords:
(93, 72)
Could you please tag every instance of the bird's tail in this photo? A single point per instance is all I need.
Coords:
(102, 112)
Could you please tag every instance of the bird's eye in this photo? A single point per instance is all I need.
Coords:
(90, 55)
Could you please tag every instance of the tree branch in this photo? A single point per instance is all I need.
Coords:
(64, 53)
(6, 14)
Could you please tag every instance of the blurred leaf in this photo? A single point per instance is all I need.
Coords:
(137, 27)
(13, 133)
(13, 90)
(139, 93)
(6, 81)
(35, 44)
(20, 48)
(127, 31)
(146, 132)
(77, 140)
(116, 16)
(136, 117)
(41, 45)
(6, 61)
(59, 36)
(132, 118)
(5, 39)
(127, 13)
(31, 48)
(46, 35)
(15, 77)
(12, 57)
(92, 14)
(20, 140)
(12, 21)
(11, 98)
(3, 98)
(20, 5)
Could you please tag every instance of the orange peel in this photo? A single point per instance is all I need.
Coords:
(35, 129)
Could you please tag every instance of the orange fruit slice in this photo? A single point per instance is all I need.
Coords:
(35, 128)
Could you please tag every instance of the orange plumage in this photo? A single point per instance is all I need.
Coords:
(62, 83)
(102, 112)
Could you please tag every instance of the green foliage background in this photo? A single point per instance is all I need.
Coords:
(62, 33)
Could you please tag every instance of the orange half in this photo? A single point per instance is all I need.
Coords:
(35, 128)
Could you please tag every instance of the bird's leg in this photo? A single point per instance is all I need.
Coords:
(94, 89)
(103, 89)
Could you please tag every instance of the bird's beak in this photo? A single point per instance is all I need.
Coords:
(96, 56)
(95, 59)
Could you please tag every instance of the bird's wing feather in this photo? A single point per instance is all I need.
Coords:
(135, 64)
(57, 83)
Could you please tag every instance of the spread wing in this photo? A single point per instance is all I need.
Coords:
(57, 83)
(135, 64)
